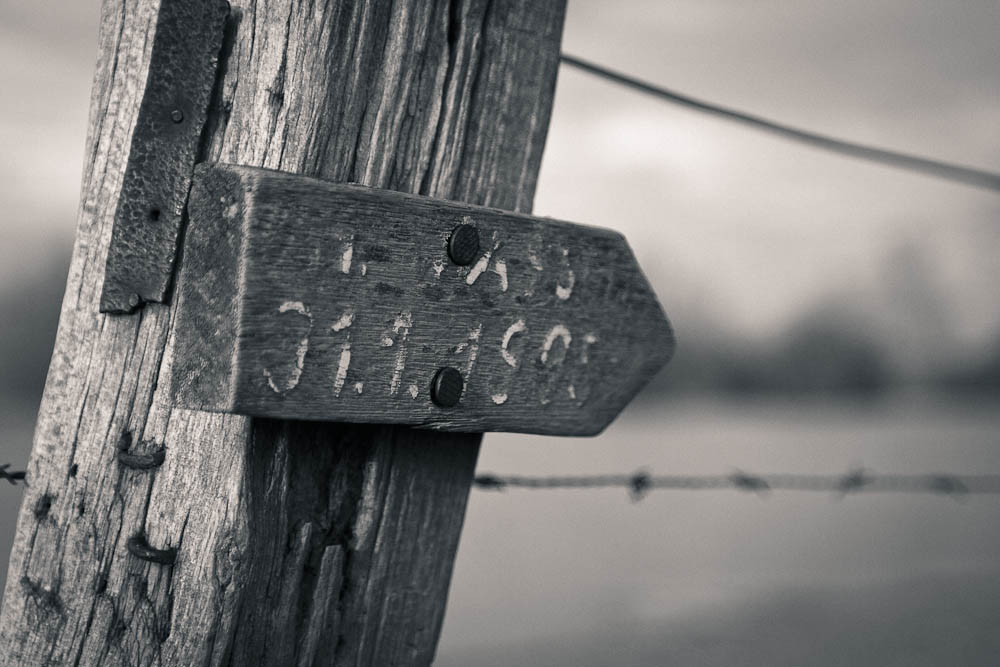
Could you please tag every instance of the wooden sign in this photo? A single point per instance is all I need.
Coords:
(303, 299)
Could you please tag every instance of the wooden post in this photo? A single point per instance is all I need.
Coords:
(153, 535)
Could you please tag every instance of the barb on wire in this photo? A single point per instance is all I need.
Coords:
(954, 172)
(12, 476)
(856, 480)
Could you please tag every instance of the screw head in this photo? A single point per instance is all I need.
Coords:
(446, 387)
(463, 246)
(177, 115)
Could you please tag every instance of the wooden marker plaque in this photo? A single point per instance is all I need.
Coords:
(304, 299)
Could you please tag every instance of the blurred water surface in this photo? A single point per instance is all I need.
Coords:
(723, 577)
(720, 577)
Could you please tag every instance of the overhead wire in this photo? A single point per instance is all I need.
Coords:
(972, 176)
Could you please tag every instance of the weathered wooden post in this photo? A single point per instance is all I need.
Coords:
(162, 523)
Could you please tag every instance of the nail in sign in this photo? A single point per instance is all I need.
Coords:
(303, 299)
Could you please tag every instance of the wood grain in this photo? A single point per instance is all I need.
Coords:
(306, 299)
(297, 543)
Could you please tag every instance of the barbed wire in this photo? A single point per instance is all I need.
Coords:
(857, 480)
(979, 178)
(12, 476)
(641, 482)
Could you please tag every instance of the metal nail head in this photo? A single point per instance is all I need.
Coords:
(463, 246)
(446, 388)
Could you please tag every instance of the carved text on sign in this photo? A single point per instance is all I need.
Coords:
(343, 303)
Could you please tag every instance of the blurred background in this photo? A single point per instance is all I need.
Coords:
(830, 313)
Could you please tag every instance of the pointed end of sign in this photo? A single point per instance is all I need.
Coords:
(662, 342)
(667, 338)
(659, 341)
(648, 341)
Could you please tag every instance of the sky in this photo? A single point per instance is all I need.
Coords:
(760, 228)
(734, 227)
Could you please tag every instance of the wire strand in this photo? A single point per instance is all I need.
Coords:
(854, 481)
(979, 178)
(12, 476)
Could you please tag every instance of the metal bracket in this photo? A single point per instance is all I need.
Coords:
(182, 70)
